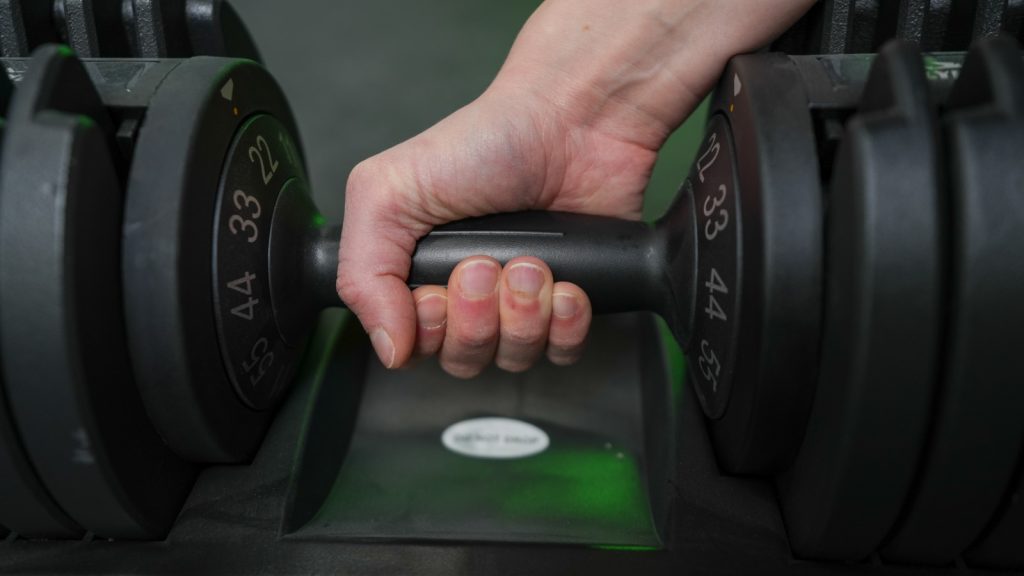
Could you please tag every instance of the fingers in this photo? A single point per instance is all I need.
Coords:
(471, 336)
(524, 312)
(510, 316)
(570, 322)
(431, 319)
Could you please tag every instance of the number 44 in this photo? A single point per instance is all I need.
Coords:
(714, 309)
(243, 286)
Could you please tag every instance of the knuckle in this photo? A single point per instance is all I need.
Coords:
(363, 176)
(473, 340)
(521, 335)
(566, 341)
(351, 289)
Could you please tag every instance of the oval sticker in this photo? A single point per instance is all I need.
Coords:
(497, 438)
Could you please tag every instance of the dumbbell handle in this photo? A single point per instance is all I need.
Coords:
(622, 265)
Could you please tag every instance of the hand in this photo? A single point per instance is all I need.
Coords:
(573, 122)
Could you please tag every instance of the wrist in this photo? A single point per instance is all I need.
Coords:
(635, 71)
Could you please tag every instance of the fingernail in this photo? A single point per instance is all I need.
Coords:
(565, 305)
(432, 311)
(525, 280)
(384, 346)
(478, 278)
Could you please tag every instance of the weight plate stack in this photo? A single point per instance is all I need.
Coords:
(81, 444)
(67, 374)
(977, 425)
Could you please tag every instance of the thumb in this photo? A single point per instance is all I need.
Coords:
(378, 237)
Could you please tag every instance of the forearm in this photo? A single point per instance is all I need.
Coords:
(634, 70)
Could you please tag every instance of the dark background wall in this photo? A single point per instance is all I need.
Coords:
(364, 75)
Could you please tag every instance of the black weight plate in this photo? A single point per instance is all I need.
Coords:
(168, 278)
(882, 321)
(994, 16)
(24, 26)
(93, 28)
(215, 29)
(767, 342)
(24, 503)
(66, 367)
(978, 425)
(834, 27)
(156, 28)
(926, 23)
(1001, 545)
(849, 26)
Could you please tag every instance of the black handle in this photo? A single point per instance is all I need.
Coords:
(617, 262)
(622, 265)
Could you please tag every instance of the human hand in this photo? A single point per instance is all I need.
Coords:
(573, 122)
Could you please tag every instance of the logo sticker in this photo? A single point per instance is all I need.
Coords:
(495, 438)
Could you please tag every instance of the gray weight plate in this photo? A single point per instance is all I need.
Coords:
(169, 244)
(66, 370)
(979, 419)
(25, 506)
(882, 322)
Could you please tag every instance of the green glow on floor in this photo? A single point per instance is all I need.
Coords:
(616, 548)
(580, 484)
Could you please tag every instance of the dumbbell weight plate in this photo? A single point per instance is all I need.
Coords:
(765, 336)
(25, 505)
(66, 366)
(216, 29)
(155, 28)
(882, 322)
(190, 126)
(978, 425)
(93, 28)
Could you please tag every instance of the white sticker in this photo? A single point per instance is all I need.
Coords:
(495, 438)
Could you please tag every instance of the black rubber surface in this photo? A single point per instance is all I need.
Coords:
(168, 244)
(66, 368)
(977, 428)
(882, 321)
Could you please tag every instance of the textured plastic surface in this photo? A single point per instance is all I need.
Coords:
(399, 481)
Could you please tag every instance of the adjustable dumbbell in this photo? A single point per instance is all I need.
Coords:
(122, 29)
(216, 215)
(823, 346)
